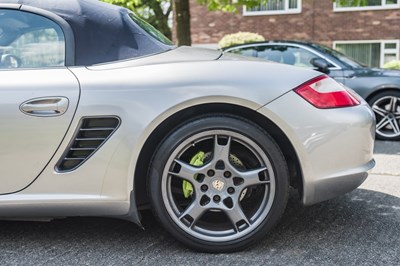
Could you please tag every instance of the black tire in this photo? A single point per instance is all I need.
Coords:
(240, 189)
(386, 106)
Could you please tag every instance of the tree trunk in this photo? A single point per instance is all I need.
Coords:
(182, 22)
(160, 20)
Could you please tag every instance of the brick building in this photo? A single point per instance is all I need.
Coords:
(370, 34)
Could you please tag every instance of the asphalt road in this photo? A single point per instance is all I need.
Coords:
(360, 228)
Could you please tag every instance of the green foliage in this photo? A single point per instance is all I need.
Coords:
(240, 38)
(231, 5)
(155, 12)
(351, 3)
(392, 65)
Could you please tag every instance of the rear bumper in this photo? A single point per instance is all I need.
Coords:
(334, 147)
(330, 187)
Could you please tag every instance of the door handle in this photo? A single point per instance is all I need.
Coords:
(48, 106)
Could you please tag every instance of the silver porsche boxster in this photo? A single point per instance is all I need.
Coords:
(101, 115)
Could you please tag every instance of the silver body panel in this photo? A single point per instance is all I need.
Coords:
(144, 92)
(335, 148)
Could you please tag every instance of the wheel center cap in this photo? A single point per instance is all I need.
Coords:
(218, 184)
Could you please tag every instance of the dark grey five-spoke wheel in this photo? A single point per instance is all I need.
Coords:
(218, 183)
(387, 111)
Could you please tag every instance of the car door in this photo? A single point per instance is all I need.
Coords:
(38, 96)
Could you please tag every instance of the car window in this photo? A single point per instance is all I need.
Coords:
(339, 56)
(285, 54)
(30, 41)
(247, 51)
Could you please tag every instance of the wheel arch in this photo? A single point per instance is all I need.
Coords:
(381, 90)
(159, 133)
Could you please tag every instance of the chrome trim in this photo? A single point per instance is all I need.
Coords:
(45, 106)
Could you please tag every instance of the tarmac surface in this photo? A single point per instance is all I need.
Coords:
(359, 228)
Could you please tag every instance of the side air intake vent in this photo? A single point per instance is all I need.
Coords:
(90, 135)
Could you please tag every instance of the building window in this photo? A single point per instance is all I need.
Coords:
(359, 5)
(370, 53)
(274, 7)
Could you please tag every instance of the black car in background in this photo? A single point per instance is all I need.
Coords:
(379, 87)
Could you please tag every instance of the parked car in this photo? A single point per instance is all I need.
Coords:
(102, 116)
(379, 87)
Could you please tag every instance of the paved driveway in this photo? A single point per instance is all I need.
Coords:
(360, 228)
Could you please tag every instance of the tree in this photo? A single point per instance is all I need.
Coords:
(182, 21)
(155, 12)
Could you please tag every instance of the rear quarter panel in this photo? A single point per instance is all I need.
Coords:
(144, 96)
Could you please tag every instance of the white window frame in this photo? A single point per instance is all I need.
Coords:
(362, 8)
(384, 51)
(275, 12)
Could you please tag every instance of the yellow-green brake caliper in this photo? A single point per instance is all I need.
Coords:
(197, 160)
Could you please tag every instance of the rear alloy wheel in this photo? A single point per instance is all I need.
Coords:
(386, 106)
(218, 183)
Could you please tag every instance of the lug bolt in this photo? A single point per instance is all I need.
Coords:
(210, 173)
(204, 188)
(216, 198)
(227, 174)
(231, 190)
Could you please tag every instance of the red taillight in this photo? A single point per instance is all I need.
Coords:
(323, 92)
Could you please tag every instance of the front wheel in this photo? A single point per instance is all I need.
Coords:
(386, 106)
(218, 184)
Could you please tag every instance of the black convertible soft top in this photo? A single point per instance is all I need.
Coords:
(103, 32)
